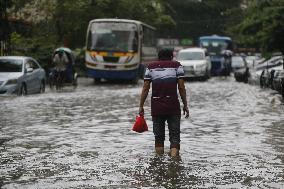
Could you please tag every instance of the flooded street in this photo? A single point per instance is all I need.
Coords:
(83, 139)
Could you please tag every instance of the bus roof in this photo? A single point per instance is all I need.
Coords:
(122, 20)
(215, 37)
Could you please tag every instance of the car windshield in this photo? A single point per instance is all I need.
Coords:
(190, 55)
(112, 36)
(237, 61)
(10, 65)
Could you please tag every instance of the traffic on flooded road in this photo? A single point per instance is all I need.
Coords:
(82, 138)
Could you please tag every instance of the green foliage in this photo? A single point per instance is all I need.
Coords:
(195, 18)
(263, 26)
(33, 47)
(64, 22)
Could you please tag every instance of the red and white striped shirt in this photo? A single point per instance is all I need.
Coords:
(164, 76)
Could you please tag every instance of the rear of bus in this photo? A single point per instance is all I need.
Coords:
(113, 49)
(215, 45)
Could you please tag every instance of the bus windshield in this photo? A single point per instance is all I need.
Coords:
(113, 36)
(216, 46)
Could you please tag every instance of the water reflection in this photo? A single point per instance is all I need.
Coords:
(167, 172)
(82, 139)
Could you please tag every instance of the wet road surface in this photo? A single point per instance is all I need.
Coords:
(83, 139)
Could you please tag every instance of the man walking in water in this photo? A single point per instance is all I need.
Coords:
(165, 75)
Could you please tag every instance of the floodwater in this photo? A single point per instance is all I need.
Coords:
(82, 139)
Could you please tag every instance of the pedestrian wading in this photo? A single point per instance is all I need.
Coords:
(165, 75)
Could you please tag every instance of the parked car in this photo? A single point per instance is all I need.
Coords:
(252, 60)
(259, 74)
(240, 69)
(195, 62)
(21, 75)
(278, 81)
(269, 67)
(238, 62)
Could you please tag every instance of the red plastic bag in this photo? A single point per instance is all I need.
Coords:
(140, 124)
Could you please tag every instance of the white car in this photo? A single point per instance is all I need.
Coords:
(21, 75)
(195, 62)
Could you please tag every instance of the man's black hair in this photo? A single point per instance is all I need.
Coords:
(165, 54)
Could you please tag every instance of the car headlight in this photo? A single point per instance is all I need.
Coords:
(12, 82)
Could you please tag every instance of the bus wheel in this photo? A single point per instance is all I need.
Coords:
(97, 80)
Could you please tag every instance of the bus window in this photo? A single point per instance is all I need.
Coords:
(148, 37)
(113, 37)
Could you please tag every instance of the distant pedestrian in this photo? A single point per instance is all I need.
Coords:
(60, 60)
(166, 76)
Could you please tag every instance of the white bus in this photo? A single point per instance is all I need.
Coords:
(119, 49)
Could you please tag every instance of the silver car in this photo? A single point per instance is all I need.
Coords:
(21, 75)
(195, 62)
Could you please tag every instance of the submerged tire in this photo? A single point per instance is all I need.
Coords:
(23, 90)
(261, 80)
(42, 87)
(75, 82)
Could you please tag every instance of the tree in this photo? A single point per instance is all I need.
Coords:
(64, 22)
(263, 26)
(4, 26)
(195, 18)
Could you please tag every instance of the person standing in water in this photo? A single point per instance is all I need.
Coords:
(166, 76)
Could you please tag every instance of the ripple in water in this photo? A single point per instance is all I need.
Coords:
(82, 139)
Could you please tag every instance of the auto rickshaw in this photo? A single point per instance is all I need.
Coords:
(64, 74)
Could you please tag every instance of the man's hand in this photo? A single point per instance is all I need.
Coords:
(186, 111)
(141, 111)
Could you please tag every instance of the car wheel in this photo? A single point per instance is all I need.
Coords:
(42, 87)
(51, 81)
(208, 74)
(75, 82)
(23, 90)
(246, 78)
(261, 80)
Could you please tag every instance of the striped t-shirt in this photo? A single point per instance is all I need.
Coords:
(164, 76)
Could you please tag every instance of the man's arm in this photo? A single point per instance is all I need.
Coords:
(182, 93)
(143, 97)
